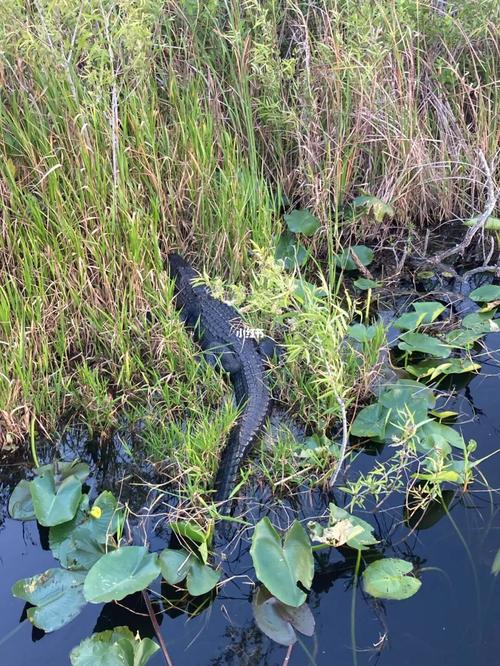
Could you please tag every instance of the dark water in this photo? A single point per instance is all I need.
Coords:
(453, 619)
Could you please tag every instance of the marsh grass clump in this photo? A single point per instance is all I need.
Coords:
(130, 128)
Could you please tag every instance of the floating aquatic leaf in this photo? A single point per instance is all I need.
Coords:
(370, 422)
(280, 566)
(302, 222)
(79, 543)
(61, 470)
(423, 314)
(486, 293)
(114, 647)
(174, 564)
(421, 342)
(120, 573)
(432, 368)
(306, 291)
(277, 620)
(55, 504)
(363, 538)
(201, 578)
(389, 579)
(20, 502)
(56, 594)
(422, 513)
(345, 261)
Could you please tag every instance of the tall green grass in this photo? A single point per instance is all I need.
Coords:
(129, 128)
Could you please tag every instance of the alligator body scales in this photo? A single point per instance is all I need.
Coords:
(221, 334)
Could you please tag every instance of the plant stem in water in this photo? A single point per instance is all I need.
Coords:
(156, 627)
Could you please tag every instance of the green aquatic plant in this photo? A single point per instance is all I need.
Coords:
(390, 579)
(114, 647)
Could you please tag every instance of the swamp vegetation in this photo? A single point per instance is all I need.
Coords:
(331, 168)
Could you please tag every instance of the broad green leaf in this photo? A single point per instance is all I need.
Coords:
(389, 579)
(380, 209)
(277, 620)
(192, 531)
(463, 337)
(362, 333)
(79, 543)
(120, 573)
(432, 368)
(364, 537)
(370, 423)
(302, 222)
(291, 252)
(495, 567)
(201, 578)
(423, 314)
(61, 470)
(20, 502)
(421, 342)
(345, 261)
(53, 504)
(486, 293)
(115, 647)
(434, 435)
(365, 283)
(56, 594)
(279, 566)
(174, 564)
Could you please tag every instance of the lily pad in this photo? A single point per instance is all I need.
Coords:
(364, 537)
(370, 422)
(486, 293)
(120, 573)
(302, 221)
(201, 578)
(114, 647)
(57, 597)
(174, 564)
(423, 314)
(432, 368)
(20, 502)
(79, 543)
(389, 579)
(421, 342)
(55, 504)
(278, 621)
(281, 566)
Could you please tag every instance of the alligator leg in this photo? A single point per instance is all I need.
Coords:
(269, 349)
(218, 356)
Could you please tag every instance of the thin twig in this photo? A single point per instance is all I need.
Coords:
(156, 627)
(286, 660)
(345, 439)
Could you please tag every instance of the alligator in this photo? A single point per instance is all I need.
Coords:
(228, 343)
